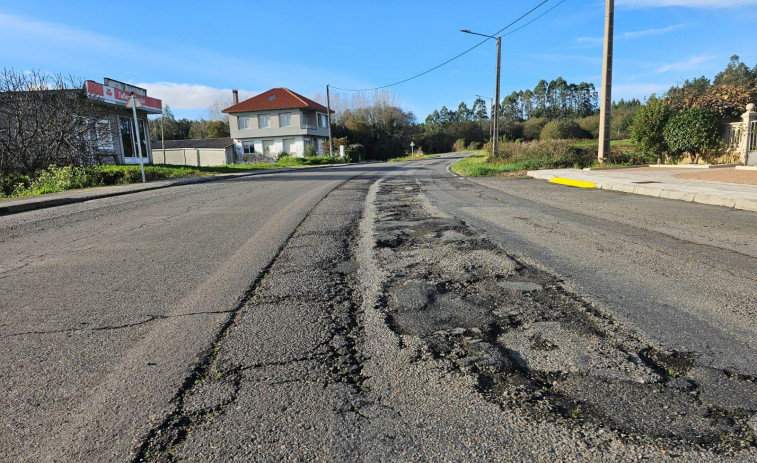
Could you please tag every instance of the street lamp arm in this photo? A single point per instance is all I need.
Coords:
(468, 31)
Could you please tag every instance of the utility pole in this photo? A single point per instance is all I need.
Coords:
(606, 104)
(495, 146)
(328, 117)
(163, 135)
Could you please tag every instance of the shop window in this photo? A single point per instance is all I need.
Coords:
(129, 137)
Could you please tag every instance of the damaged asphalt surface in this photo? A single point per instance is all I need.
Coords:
(404, 314)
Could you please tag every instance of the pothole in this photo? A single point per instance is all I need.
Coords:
(534, 345)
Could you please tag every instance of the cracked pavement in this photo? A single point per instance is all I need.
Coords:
(381, 313)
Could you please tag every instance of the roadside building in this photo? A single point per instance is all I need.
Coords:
(201, 152)
(118, 120)
(276, 121)
(43, 124)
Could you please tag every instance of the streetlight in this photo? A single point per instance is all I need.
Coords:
(495, 145)
(491, 103)
(133, 103)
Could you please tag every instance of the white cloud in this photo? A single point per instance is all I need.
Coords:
(597, 41)
(20, 26)
(191, 96)
(591, 40)
(640, 91)
(708, 4)
(646, 32)
(687, 65)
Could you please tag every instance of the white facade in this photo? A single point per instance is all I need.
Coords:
(268, 133)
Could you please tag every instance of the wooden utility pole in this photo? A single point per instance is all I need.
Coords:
(328, 117)
(606, 104)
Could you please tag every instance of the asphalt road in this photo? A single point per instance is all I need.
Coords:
(378, 313)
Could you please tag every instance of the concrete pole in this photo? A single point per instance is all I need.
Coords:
(604, 110)
(495, 146)
(328, 117)
(163, 135)
(139, 142)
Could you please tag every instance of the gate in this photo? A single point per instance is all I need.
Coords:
(751, 156)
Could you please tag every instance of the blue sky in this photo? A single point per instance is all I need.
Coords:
(191, 54)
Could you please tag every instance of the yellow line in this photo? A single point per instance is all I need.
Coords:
(575, 183)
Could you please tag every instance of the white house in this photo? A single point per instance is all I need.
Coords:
(275, 121)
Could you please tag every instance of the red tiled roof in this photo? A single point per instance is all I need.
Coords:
(275, 98)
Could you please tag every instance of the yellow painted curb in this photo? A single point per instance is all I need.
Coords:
(575, 183)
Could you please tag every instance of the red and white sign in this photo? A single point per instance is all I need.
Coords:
(120, 97)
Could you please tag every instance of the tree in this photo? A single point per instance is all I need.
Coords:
(727, 96)
(647, 130)
(479, 110)
(532, 127)
(48, 119)
(736, 73)
(696, 132)
(463, 113)
(218, 129)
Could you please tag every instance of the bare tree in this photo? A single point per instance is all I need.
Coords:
(48, 120)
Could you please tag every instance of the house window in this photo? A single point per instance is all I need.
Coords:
(243, 122)
(285, 119)
(248, 147)
(322, 120)
(104, 134)
(264, 121)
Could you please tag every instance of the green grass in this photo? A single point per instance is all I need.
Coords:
(413, 158)
(55, 179)
(477, 165)
(517, 157)
(480, 165)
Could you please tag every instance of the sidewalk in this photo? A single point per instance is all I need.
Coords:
(727, 186)
(12, 206)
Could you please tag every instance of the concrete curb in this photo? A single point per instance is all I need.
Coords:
(646, 190)
(79, 196)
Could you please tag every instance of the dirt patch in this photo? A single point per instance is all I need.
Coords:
(535, 346)
(746, 177)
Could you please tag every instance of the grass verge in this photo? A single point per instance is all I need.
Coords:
(413, 158)
(55, 179)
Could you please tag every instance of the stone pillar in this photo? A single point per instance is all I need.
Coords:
(747, 118)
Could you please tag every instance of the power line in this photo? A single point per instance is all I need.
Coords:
(536, 18)
(460, 54)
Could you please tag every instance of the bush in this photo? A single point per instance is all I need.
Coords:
(459, 145)
(562, 129)
(590, 125)
(513, 130)
(547, 154)
(473, 146)
(532, 127)
(13, 182)
(696, 132)
(647, 129)
(282, 154)
(310, 151)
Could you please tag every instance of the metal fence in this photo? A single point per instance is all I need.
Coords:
(752, 142)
